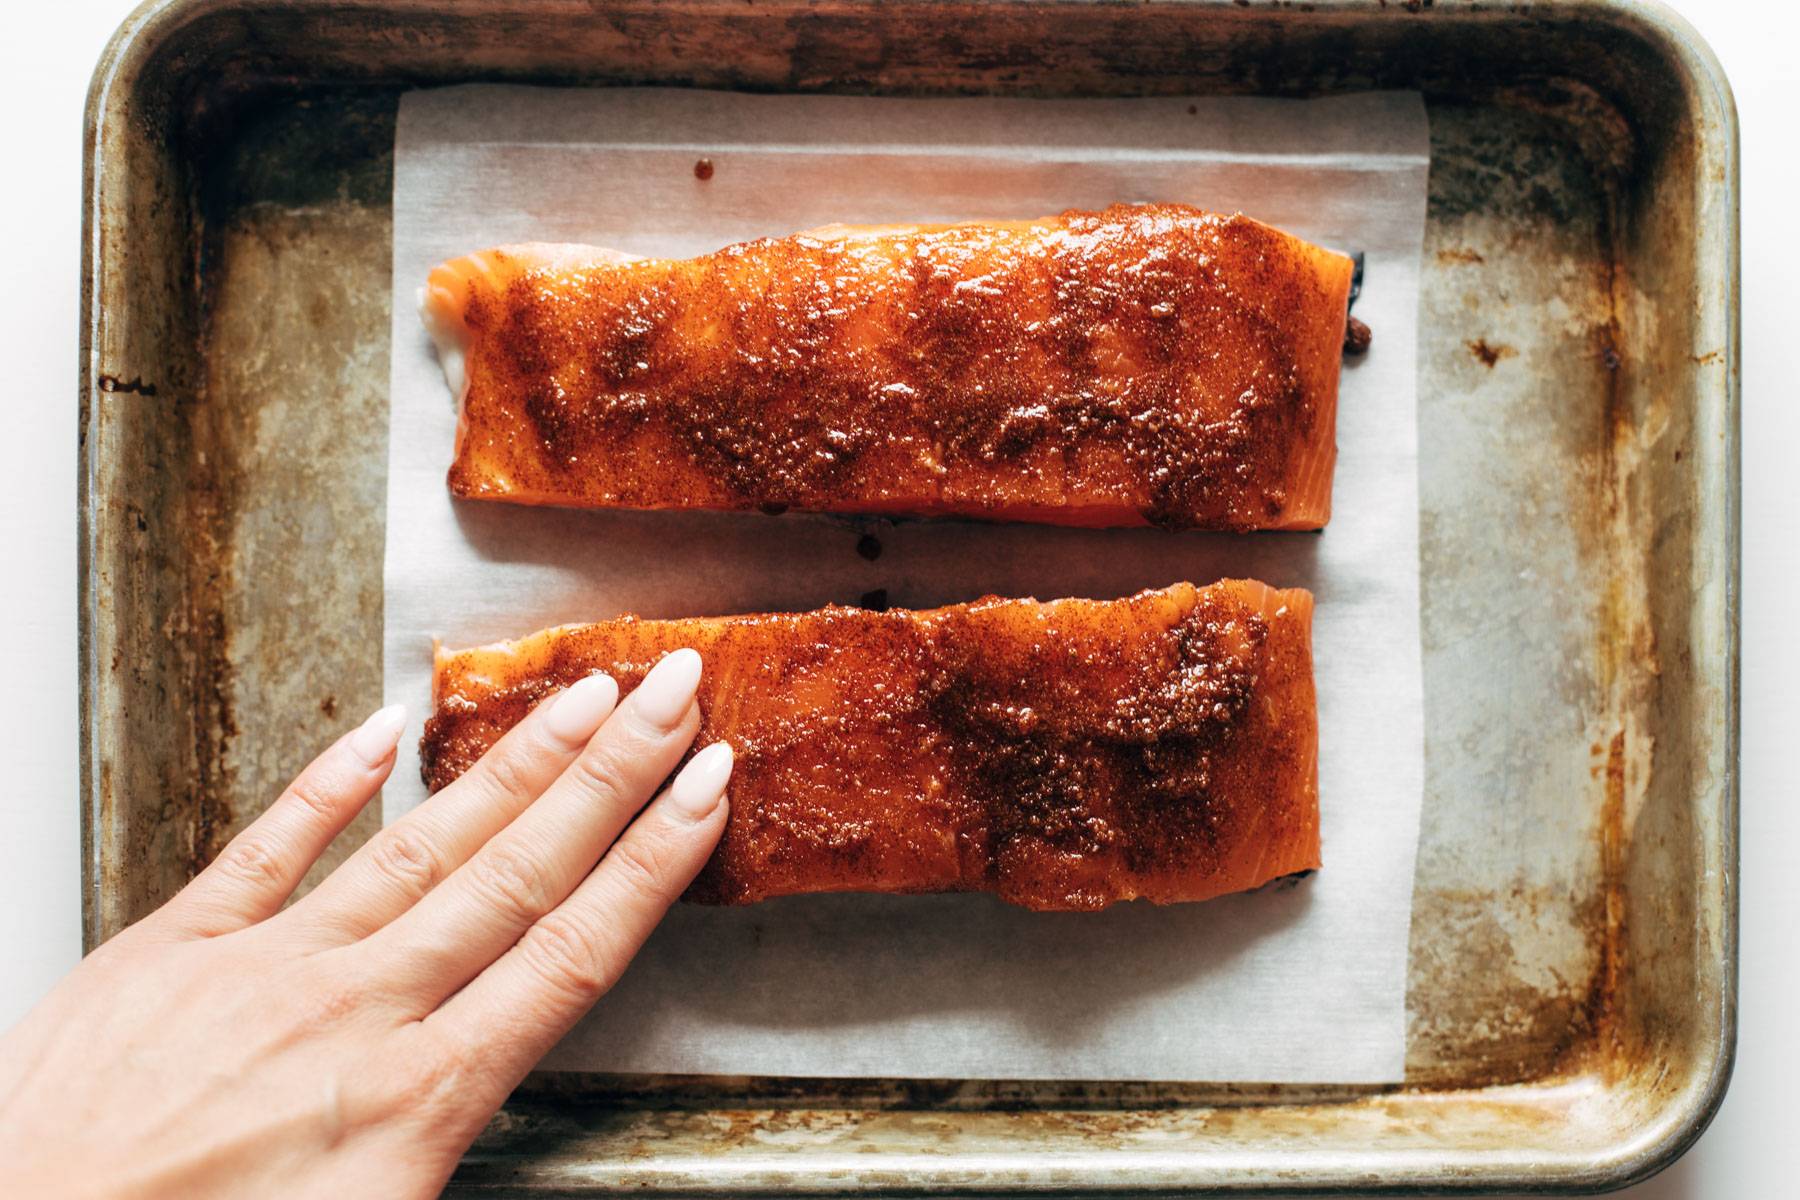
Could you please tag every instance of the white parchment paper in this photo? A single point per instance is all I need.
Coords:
(1306, 985)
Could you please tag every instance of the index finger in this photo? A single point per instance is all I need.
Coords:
(260, 868)
(395, 869)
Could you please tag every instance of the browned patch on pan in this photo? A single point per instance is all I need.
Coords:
(1490, 353)
(1612, 896)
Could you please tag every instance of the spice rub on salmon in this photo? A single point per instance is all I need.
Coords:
(1065, 755)
(1143, 364)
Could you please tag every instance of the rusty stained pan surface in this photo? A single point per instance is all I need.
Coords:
(1571, 994)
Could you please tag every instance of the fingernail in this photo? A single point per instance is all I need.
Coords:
(697, 789)
(578, 710)
(376, 737)
(668, 689)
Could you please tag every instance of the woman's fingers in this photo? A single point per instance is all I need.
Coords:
(394, 869)
(259, 868)
(528, 999)
(528, 868)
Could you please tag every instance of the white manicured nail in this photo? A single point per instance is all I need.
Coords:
(376, 737)
(697, 790)
(580, 709)
(668, 689)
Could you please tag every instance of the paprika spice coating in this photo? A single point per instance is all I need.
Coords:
(1065, 755)
(1147, 363)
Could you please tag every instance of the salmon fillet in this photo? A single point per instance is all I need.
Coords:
(1065, 755)
(1145, 364)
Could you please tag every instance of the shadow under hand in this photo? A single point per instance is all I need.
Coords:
(878, 966)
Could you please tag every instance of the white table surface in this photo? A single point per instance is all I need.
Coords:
(50, 51)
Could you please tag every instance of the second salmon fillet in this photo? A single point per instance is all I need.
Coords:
(1065, 755)
(1145, 364)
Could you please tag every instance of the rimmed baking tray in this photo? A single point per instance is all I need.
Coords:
(1572, 973)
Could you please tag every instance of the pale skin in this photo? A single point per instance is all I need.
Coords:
(355, 1041)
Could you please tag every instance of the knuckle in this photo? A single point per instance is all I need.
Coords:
(567, 957)
(307, 793)
(438, 1078)
(596, 774)
(330, 1002)
(408, 859)
(335, 1003)
(507, 776)
(512, 880)
(602, 772)
(643, 862)
(252, 860)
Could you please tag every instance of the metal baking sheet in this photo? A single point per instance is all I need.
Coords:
(1572, 972)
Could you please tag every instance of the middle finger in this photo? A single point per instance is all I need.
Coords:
(528, 868)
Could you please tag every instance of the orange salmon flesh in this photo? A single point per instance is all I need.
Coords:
(1064, 755)
(1145, 364)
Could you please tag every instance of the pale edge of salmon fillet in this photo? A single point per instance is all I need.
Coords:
(466, 678)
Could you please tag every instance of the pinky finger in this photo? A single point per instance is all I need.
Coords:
(534, 993)
(260, 868)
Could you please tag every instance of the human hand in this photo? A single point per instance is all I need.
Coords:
(355, 1042)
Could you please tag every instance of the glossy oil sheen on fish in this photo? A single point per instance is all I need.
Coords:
(1065, 755)
(1143, 364)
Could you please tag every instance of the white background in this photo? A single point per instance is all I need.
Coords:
(49, 53)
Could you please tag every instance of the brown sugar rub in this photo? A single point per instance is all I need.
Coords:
(1143, 364)
(1065, 755)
